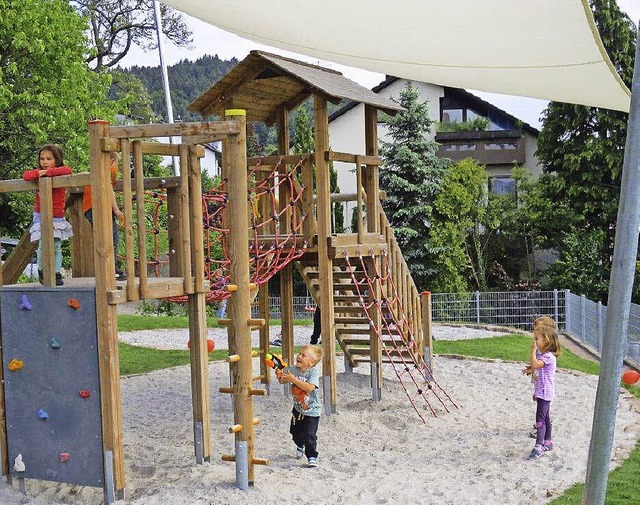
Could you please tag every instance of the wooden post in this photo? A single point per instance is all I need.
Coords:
(309, 227)
(185, 244)
(106, 315)
(372, 190)
(197, 312)
(325, 263)
(240, 300)
(130, 269)
(286, 274)
(45, 188)
(140, 218)
(82, 240)
(427, 330)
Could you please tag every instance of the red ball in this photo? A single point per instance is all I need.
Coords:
(630, 377)
(211, 345)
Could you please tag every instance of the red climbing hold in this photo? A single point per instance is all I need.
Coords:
(84, 393)
(73, 303)
(64, 456)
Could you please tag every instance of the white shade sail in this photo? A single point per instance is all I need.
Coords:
(547, 49)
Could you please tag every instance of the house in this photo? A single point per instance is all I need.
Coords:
(506, 141)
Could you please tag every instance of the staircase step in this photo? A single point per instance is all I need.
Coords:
(351, 320)
(348, 309)
(346, 298)
(353, 330)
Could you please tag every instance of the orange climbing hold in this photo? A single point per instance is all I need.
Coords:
(73, 303)
(15, 365)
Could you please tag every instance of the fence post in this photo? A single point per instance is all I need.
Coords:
(477, 300)
(567, 311)
(583, 321)
(600, 326)
(555, 307)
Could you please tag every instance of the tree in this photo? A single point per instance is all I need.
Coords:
(116, 25)
(47, 93)
(412, 175)
(583, 148)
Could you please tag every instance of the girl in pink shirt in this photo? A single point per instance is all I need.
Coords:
(545, 348)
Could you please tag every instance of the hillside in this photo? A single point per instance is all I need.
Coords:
(187, 80)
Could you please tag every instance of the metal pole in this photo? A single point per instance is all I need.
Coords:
(618, 305)
(165, 79)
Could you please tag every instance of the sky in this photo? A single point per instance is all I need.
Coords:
(210, 40)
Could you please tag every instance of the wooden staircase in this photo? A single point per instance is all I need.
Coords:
(354, 309)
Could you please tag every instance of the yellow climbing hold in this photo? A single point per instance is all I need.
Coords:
(15, 365)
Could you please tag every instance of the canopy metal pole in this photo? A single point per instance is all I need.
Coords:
(618, 306)
(165, 79)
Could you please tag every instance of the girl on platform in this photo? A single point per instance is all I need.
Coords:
(50, 164)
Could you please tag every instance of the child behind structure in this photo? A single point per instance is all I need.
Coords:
(50, 164)
(545, 348)
(304, 378)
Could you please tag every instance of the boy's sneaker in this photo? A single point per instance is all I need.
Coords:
(59, 281)
(313, 462)
(299, 452)
(547, 446)
(536, 453)
(121, 276)
(277, 342)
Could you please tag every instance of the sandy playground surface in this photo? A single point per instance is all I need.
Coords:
(370, 453)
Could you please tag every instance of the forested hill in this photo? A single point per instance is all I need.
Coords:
(187, 80)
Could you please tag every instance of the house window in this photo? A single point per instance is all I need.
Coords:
(459, 147)
(501, 146)
(502, 185)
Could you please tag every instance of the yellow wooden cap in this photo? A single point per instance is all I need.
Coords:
(235, 112)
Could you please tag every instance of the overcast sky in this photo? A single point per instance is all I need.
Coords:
(208, 39)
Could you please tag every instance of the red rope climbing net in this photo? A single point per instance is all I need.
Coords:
(272, 246)
(395, 333)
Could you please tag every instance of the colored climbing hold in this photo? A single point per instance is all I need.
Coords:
(84, 394)
(42, 414)
(53, 343)
(73, 303)
(18, 464)
(25, 304)
(15, 364)
(64, 457)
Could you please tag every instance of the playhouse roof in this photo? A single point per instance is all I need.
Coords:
(263, 82)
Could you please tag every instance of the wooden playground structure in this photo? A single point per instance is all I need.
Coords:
(370, 305)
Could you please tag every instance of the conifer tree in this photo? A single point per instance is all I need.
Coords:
(412, 176)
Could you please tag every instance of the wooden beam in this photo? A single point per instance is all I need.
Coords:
(352, 158)
(216, 130)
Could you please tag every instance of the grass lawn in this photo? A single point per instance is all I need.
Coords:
(623, 485)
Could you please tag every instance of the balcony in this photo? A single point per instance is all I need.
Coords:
(500, 147)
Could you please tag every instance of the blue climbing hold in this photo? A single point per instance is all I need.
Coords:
(25, 304)
(42, 414)
(54, 344)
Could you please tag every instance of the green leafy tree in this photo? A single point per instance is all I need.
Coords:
(462, 229)
(412, 176)
(583, 148)
(116, 25)
(47, 94)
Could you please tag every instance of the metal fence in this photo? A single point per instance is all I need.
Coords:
(580, 317)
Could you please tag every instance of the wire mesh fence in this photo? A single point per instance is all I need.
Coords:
(580, 317)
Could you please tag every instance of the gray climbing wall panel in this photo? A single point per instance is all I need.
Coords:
(52, 402)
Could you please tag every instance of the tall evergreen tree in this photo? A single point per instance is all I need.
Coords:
(582, 148)
(412, 175)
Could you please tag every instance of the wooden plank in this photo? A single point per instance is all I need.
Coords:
(127, 194)
(352, 158)
(371, 182)
(19, 258)
(140, 219)
(46, 230)
(195, 222)
(82, 240)
(351, 239)
(60, 181)
(217, 130)
(290, 159)
(185, 222)
(106, 314)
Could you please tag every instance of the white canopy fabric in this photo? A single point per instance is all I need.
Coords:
(547, 49)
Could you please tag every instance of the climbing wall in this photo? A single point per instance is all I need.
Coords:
(52, 388)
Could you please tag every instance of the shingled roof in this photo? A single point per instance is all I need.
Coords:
(263, 82)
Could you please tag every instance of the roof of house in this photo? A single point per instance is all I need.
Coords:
(460, 93)
(263, 82)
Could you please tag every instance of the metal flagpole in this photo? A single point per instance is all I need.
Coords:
(618, 306)
(165, 79)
